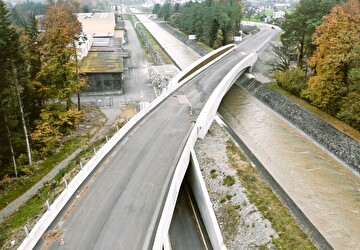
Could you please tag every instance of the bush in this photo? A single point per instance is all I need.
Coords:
(228, 181)
(48, 150)
(26, 170)
(55, 122)
(22, 160)
(7, 181)
(293, 81)
(350, 110)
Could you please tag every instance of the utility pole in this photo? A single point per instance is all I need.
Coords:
(77, 76)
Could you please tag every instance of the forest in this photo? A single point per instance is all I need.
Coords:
(318, 59)
(214, 23)
(39, 76)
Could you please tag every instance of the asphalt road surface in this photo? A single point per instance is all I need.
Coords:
(180, 54)
(121, 208)
(137, 86)
(187, 230)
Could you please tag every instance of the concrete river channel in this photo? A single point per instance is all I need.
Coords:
(326, 190)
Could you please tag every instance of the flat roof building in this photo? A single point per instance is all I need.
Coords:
(103, 64)
(93, 23)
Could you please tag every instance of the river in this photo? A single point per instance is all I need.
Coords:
(323, 188)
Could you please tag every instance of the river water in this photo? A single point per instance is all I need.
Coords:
(323, 188)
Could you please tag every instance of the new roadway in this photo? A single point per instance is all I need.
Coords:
(121, 206)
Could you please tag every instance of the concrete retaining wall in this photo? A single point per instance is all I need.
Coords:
(154, 54)
(204, 204)
(333, 140)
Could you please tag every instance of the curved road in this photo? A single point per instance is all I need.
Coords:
(120, 209)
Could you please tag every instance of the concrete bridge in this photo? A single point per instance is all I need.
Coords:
(140, 170)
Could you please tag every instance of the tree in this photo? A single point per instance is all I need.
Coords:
(58, 77)
(11, 78)
(218, 39)
(156, 9)
(282, 58)
(249, 12)
(58, 72)
(174, 20)
(85, 9)
(333, 61)
(34, 99)
(165, 11)
(350, 105)
(300, 25)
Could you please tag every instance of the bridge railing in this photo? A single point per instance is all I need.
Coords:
(54, 209)
(207, 115)
(204, 120)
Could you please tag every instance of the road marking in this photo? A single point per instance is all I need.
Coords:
(182, 99)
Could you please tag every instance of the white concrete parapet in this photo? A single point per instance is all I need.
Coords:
(168, 209)
(208, 113)
(204, 204)
(41, 226)
(189, 72)
(203, 123)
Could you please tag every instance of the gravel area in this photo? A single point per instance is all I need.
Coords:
(242, 226)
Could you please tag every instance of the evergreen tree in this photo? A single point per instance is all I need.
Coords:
(34, 99)
(11, 80)
(300, 25)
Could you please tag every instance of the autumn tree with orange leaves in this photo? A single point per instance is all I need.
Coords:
(331, 86)
(58, 73)
(58, 76)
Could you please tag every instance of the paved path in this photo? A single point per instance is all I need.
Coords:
(14, 205)
(179, 53)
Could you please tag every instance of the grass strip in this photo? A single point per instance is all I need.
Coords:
(156, 46)
(29, 213)
(268, 203)
(16, 190)
(151, 39)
